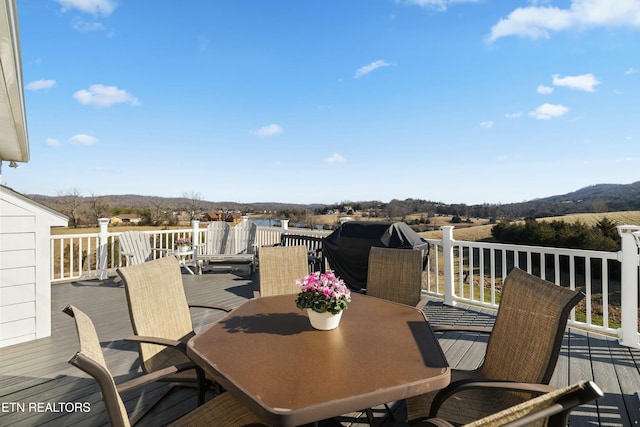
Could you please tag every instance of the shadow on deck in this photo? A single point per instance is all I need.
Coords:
(39, 387)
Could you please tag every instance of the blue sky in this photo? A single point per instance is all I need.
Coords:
(458, 101)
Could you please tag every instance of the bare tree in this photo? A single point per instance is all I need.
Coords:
(158, 211)
(99, 207)
(193, 204)
(71, 204)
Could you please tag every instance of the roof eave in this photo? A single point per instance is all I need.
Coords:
(14, 140)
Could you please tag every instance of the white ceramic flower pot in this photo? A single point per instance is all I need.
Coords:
(324, 321)
(183, 248)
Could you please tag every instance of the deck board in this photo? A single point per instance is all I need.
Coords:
(38, 371)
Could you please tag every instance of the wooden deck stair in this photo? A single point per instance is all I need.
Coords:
(35, 374)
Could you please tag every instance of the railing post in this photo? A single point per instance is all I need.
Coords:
(284, 223)
(195, 233)
(103, 245)
(628, 257)
(447, 260)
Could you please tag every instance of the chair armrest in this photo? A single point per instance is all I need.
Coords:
(489, 385)
(461, 328)
(420, 305)
(178, 345)
(211, 306)
(153, 377)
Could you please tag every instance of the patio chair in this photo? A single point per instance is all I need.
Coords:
(280, 267)
(520, 357)
(161, 319)
(551, 409)
(222, 410)
(136, 247)
(239, 248)
(313, 245)
(395, 275)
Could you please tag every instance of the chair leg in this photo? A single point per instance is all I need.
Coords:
(370, 417)
(138, 415)
(202, 385)
(390, 412)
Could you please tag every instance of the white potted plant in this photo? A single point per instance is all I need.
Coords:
(183, 244)
(324, 296)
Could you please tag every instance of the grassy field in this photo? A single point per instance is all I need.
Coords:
(477, 229)
(89, 230)
(482, 231)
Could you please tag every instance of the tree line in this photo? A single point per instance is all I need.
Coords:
(603, 236)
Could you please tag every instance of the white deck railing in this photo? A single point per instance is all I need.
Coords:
(458, 271)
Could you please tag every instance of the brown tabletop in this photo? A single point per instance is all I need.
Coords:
(266, 354)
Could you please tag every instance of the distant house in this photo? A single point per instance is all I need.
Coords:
(126, 219)
(214, 216)
(234, 217)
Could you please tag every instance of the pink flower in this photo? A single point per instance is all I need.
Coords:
(323, 291)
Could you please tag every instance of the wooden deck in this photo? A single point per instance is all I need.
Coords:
(36, 380)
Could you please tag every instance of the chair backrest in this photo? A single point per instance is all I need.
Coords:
(313, 243)
(550, 409)
(216, 238)
(395, 274)
(90, 359)
(135, 245)
(280, 267)
(158, 307)
(242, 239)
(527, 335)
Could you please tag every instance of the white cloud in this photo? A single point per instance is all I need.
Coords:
(363, 71)
(544, 90)
(584, 82)
(82, 139)
(540, 21)
(335, 158)
(549, 111)
(487, 124)
(40, 84)
(630, 71)
(93, 7)
(269, 130)
(440, 5)
(513, 115)
(104, 96)
(86, 27)
(52, 142)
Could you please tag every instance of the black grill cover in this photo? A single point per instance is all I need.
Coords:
(347, 248)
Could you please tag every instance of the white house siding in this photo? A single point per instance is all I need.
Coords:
(25, 282)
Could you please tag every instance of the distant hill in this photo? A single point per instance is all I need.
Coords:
(593, 199)
(137, 201)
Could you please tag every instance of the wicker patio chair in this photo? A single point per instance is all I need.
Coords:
(551, 409)
(395, 275)
(280, 267)
(161, 319)
(222, 410)
(520, 358)
(313, 245)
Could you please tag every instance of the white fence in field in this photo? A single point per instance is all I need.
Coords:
(458, 271)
